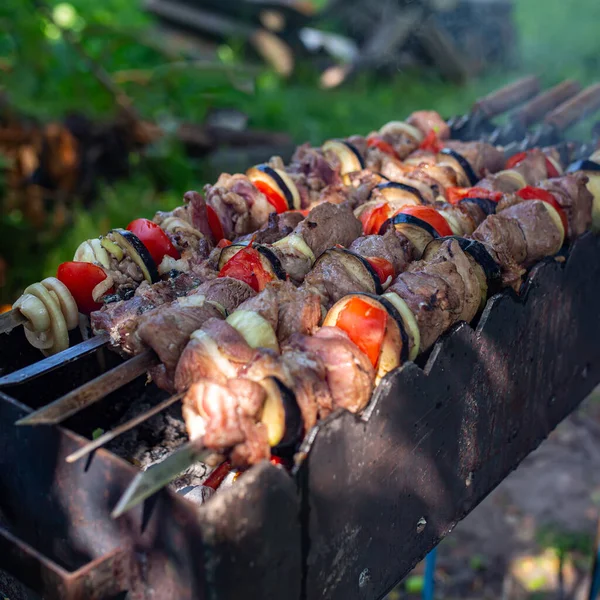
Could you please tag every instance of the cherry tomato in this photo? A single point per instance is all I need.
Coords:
(214, 223)
(365, 326)
(514, 160)
(81, 278)
(275, 199)
(154, 238)
(456, 194)
(551, 170)
(246, 266)
(376, 141)
(373, 218)
(431, 143)
(429, 215)
(215, 479)
(533, 193)
(382, 267)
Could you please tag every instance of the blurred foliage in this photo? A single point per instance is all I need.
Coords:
(45, 78)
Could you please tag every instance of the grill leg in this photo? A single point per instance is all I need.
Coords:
(429, 584)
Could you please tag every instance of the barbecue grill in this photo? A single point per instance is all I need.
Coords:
(372, 496)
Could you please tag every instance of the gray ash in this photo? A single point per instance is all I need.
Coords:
(154, 439)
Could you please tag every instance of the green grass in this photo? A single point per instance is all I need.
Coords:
(557, 39)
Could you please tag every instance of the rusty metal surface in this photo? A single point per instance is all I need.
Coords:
(374, 495)
(57, 536)
(379, 494)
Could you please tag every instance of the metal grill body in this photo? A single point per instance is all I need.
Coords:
(373, 496)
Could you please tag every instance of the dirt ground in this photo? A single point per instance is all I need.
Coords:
(533, 537)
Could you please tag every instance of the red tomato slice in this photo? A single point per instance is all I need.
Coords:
(365, 326)
(376, 141)
(533, 193)
(214, 223)
(246, 266)
(275, 199)
(81, 278)
(382, 267)
(456, 194)
(513, 161)
(431, 143)
(373, 218)
(551, 169)
(154, 238)
(215, 479)
(429, 215)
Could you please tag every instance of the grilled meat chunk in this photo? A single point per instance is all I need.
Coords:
(350, 375)
(226, 415)
(286, 308)
(120, 319)
(327, 222)
(431, 300)
(215, 351)
(311, 172)
(276, 228)
(574, 198)
(241, 208)
(505, 241)
(429, 120)
(167, 330)
(483, 157)
(542, 236)
(331, 280)
(392, 246)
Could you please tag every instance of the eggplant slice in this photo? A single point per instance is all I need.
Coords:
(356, 265)
(135, 249)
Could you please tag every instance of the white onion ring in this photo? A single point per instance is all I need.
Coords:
(172, 224)
(169, 263)
(68, 306)
(34, 310)
(102, 287)
(39, 339)
(56, 338)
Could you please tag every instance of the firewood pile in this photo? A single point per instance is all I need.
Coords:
(457, 38)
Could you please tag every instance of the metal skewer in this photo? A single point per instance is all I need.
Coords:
(55, 361)
(11, 319)
(121, 429)
(91, 392)
(157, 476)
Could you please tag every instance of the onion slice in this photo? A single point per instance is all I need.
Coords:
(67, 303)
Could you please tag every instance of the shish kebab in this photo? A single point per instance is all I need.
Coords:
(257, 320)
(112, 267)
(495, 103)
(334, 274)
(91, 345)
(263, 408)
(11, 378)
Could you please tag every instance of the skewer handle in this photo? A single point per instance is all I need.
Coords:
(579, 107)
(541, 105)
(508, 97)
